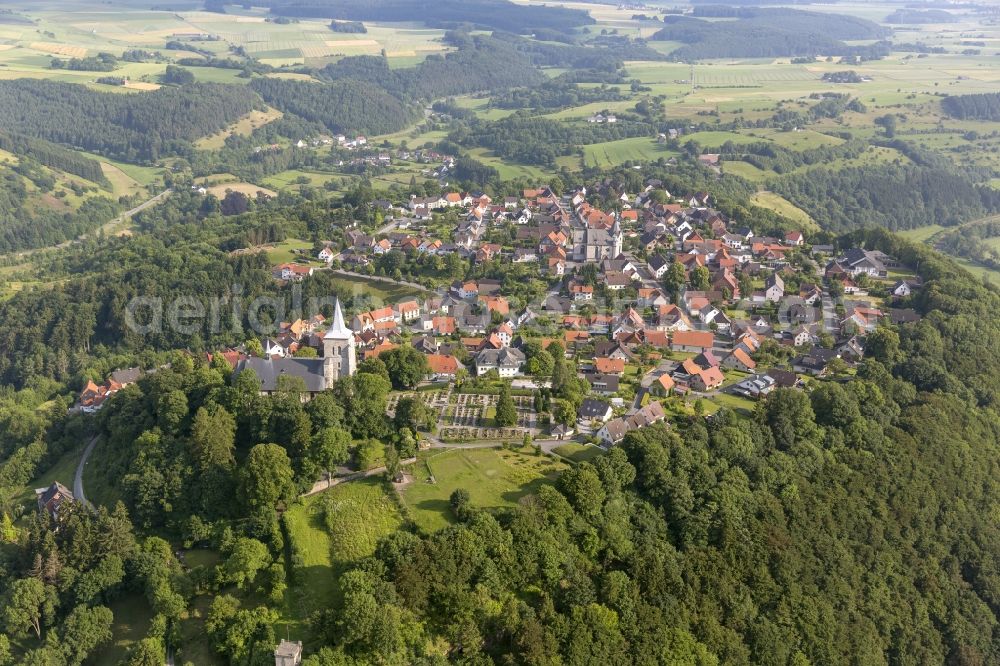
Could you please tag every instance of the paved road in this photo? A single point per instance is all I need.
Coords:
(378, 278)
(320, 486)
(146, 204)
(78, 477)
(124, 216)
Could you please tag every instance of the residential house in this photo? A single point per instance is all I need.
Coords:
(442, 366)
(738, 359)
(609, 366)
(594, 410)
(51, 498)
(291, 272)
(663, 385)
(658, 266)
(581, 292)
(756, 387)
(870, 262)
(613, 432)
(407, 312)
(794, 238)
(506, 361)
(815, 362)
(774, 288)
(603, 384)
(708, 379)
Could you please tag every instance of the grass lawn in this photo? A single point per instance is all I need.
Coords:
(741, 406)
(745, 170)
(62, 471)
(132, 617)
(379, 293)
(286, 251)
(495, 478)
(362, 513)
(100, 490)
(195, 645)
(578, 452)
(359, 513)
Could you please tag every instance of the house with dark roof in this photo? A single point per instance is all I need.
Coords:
(594, 410)
(507, 361)
(815, 362)
(603, 384)
(52, 498)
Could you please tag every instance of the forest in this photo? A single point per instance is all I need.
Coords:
(341, 106)
(985, 106)
(132, 128)
(531, 140)
(51, 155)
(888, 196)
(485, 14)
(25, 225)
(772, 33)
(554, 95)
(911, 16)
(480, 63)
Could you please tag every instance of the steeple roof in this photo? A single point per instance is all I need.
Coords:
(338, 331)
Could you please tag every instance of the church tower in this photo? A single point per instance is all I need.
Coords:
(339, 353)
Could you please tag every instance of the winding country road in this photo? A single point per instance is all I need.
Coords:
(78, 476)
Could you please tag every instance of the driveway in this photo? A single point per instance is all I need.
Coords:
(78, 476)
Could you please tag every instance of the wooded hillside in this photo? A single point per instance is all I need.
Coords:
(127, 127)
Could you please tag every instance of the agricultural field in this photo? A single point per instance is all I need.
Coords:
(495, 478)
(613, 153)
(248, 189)
(77, 32)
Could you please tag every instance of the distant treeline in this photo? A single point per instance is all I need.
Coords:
(609, 56)
(983, 106)
(133, 128)
(341, 106)
(53, 156)
(771, 33)
(482, 63)
(886, 195)
(917, 16)
(488, 14)
(102, 62)
(532, 140)
(554, 95)
(350, 27)
(768, 156)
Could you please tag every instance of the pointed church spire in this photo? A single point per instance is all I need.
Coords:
(338, 329)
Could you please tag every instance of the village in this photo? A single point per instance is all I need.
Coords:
(665, 307)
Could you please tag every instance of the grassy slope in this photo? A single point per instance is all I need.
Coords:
(361, 514)
(494, 478)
